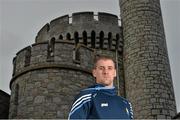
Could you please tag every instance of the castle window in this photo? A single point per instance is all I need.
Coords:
(101, 34)
(16, 94)
(76, 38)
(84, 37)
(68, 36)
(109, 40)
(93, 39)
(50, 55)
(61, 37)
(27, 56)
(117, 41)
(76, 56)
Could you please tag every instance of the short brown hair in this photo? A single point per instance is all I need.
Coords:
(103, 57)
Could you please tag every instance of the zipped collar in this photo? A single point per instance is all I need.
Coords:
(97, 87)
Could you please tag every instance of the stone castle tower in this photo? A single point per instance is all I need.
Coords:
(49, 73)
(146, 65)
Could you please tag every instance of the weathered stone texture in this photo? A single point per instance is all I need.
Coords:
(146, 64)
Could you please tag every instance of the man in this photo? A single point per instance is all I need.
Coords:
(101, 101)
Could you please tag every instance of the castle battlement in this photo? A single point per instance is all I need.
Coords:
(85, 17)
(54, 54)
(81, 21)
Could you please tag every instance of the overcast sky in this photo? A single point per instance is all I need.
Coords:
(20, 20)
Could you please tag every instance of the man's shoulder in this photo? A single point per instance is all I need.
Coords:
(88, 92)
(124, 100)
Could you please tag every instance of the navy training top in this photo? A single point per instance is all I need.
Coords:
(100, 102)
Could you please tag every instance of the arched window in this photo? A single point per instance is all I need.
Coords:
(61, 37)
(109, 40)
(68, 36)
(93, 39)
(52, 41)
(84, 37)
(76, 38)
(101, 38)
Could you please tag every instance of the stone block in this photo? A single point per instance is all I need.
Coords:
(39, 99)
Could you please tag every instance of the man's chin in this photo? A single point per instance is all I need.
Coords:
(107, 83)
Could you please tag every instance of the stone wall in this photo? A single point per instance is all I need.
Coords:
(46, 89)
(146, 65)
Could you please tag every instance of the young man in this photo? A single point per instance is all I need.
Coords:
(101, 101)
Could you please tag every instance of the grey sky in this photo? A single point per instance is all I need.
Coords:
(20, 20)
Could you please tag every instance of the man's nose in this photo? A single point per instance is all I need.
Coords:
(105, 71)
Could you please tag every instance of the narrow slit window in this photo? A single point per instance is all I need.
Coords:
(76, 38)
(85, 38)
(50, 55)
(27, 56)
(93, 39)
(61, 37)
(68, 36)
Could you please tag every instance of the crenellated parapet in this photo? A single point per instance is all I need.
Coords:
(54, 54)
(95, 31)
(43, 70)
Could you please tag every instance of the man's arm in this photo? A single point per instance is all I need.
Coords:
(81, 106)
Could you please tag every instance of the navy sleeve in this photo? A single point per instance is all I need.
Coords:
(81, 106)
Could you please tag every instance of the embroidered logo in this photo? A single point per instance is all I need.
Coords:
(94, 95)
(104, 104)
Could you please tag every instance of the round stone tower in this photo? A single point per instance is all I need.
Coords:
(146, 65)
(49, 73)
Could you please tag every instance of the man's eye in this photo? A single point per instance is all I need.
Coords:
(110, 68)
(101, 68)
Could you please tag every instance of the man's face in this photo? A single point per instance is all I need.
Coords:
(104, 72)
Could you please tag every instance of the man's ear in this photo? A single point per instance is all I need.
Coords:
(94, 72)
